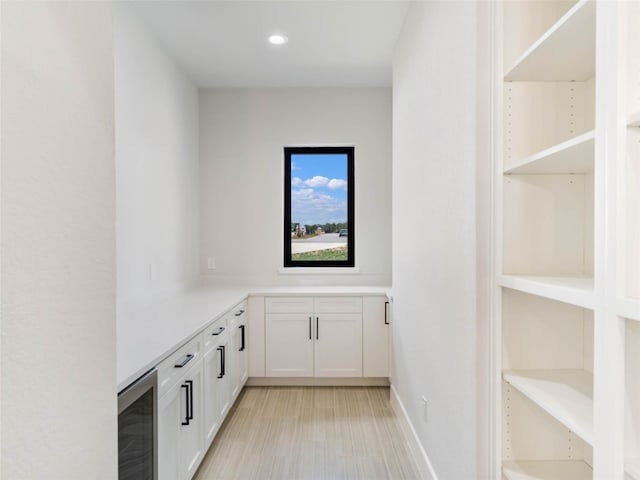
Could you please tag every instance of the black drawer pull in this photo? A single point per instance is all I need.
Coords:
(224, 360)
(190, 411)
(186, 360)
(309, 328)
(317, 328)
(239, 313)
(221, 350)
(186, 404)
(386, 320)
(241, 327)
(220, 330)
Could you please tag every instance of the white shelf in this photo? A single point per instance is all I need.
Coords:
(628, 308)
(573, 290)
(634, 120)
(565, 52)
(572, 156)
(547, 470)
(566, 395)
(632, 468)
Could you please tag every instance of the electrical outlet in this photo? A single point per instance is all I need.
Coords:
(211, 263)
(424, 401)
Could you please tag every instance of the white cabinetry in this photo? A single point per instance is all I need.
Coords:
(376, 319)
(566, 238)
(197, 386)
(216, 382)
(180, 414)
(238, 351)
(306, 337)
(289, 344)
(338, 337)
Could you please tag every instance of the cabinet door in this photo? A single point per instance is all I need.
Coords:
(212, 368)
(338, 345)
(239, 355)
(217, 395)
(375, 336)
(192, 435)
(223, 383)
(171, 412)
(289, 345)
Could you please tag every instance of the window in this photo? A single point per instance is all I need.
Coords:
(319, 207)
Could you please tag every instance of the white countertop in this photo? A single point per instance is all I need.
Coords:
(145, 338)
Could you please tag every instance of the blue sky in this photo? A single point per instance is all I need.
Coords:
(318, 188)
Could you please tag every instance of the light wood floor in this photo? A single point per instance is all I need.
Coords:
(310, 433)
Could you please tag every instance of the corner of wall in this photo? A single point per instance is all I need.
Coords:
(419, 455)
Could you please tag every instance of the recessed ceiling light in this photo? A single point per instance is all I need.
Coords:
(278, 39)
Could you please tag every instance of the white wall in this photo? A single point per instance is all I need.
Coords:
(243, 133)
(434, 151)
(59, 411)
(157, 169)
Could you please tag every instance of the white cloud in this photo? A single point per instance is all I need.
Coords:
(302, 193)
(336, 183)
(311, 207)
(317, 181)
(296, 181)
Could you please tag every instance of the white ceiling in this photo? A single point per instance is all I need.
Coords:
(331, 43)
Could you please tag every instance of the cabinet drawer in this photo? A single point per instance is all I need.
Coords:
(187, 356)
(338, 304)
(288, 304)
(214, 333)
(238, 314)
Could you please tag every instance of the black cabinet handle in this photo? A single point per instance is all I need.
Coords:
(186, 404)
(190, 411)
(317, 328)
(239, 313)
(220, 330)
(186, 360)
(241, 327)
(224, 360)
(386, 320)
(221, 350)
(309, 328)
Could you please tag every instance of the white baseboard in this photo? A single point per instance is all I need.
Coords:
(419, 455)
(317, 382)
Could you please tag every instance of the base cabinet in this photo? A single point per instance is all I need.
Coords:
(193, 405)
(376, 324)
(326, 337)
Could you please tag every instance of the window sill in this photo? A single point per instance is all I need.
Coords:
(319, 271)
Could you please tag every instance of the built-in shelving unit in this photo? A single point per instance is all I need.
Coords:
(632, 399)
(549, 470)
(572, 156)
(566, 395)
(629, 308)
(549, 228)
(632, 468)
(572, 290)
(565, 52)
(628, 302)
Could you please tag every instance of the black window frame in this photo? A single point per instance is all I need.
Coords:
(350, 153)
